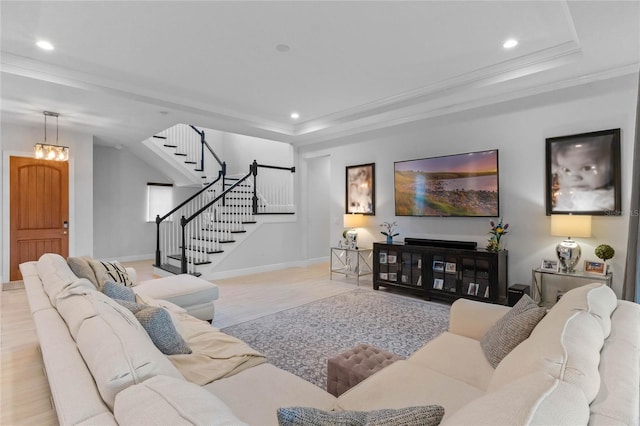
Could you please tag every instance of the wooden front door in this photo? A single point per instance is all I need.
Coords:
(39, 205)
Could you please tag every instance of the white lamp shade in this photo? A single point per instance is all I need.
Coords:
(353, 220)
(571, 226)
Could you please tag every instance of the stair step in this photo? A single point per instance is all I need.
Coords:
(213, 240)
(175, 269)
(178, 257)
(238, 232)
(200, 250)
(160, 137)
(170, 146)
(199, 170)
(180, 154)
(190, 162)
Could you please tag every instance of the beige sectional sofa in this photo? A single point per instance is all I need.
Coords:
(580, 365)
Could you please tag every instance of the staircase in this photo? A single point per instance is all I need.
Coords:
(192, 236)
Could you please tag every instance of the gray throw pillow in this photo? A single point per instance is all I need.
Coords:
(429, 415)
(81, 268)
(118, 291)
(158, 325)
(512, 329)
(132, 306)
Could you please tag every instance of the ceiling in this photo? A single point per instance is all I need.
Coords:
(125, 70)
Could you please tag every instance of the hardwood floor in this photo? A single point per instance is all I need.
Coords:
(24, 391)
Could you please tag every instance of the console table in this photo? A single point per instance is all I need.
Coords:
(354, 262)
(547, 295)
(443, 270)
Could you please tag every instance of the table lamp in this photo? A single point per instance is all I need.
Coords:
(569, 251)
(352, 221)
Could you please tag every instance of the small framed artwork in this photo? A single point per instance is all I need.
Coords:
(405, 279)
(384, 276)
(450, 267)
(438, 265)
(473, 289)
(383, 258)
(583, 174)
(595, 267)
(486, 292)
(438, 283)
(393, 276)
(392, 258)
(360, 189)
(419, 282)
(549, 265)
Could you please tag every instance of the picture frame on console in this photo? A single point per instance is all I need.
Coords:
(549, 265)
(360, 190)
(593, 267)
(583, 174)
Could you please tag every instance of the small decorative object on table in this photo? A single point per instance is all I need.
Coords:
(497, 231)
(390, 232)
(605, 252)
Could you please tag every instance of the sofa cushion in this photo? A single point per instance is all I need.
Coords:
(81, 267)
(536, 399)
(510, 330)
(113, 344)
(450, 354)
(183, 290)
(110, 271)
(118, 291)
(256, 393)
(617, 400)
(55, 275)
(429, 415)
(158, 325)
(406, 384)
(566, 343)
(169, 401)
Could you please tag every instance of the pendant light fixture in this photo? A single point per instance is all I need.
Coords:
(45, 151)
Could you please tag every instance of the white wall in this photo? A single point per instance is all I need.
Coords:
(518, 129)
(120, 201)
(19, 141)
(318, 211)
(239, 151)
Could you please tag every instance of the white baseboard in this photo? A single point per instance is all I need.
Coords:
(264, 268)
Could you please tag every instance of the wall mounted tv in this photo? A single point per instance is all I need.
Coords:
(452, 185)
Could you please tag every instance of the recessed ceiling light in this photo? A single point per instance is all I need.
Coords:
(44, 45)
(512, 42)
(295, 115)
(282, 48)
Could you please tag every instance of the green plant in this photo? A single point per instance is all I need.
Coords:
(605, 252)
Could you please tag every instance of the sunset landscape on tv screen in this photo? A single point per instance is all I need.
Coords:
(453, 185)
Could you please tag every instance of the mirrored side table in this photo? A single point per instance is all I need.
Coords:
(351, 262)
(549, 286)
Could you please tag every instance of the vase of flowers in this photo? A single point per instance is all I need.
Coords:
(496, 232)
(390, 231)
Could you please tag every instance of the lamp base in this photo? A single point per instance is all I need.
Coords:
(568, 253)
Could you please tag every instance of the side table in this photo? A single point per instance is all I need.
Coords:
(547, 295)
(351, 262)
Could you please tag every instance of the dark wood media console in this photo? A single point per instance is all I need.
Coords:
(444, 271)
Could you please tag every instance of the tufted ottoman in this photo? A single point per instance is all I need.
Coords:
(353, 366)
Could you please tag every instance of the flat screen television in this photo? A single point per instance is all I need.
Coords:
(452, 185)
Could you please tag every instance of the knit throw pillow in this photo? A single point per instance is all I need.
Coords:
(158, 325)
(429, 415)
(118, 291)
(81, 268)
(510, 330)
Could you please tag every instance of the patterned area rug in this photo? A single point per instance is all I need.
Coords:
(301, 339)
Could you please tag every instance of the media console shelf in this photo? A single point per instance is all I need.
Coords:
(445, 270)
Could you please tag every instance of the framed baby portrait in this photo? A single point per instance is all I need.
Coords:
(360, 189)
(583, 174)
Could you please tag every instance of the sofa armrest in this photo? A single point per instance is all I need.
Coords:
(133, 275)
(473, 319)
